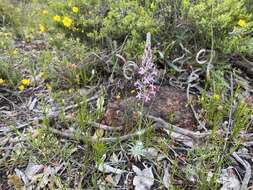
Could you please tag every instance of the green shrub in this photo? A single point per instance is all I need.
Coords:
(220, 21)
(99, 23)
(70, 68)
(9, 72)
(5, 41)
(9, 15)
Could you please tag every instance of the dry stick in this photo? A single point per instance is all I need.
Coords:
(247, 167)
(244, 83)
(104, 127)
(103, 139)
(208, 62)
(13, 129)
(181, 59)
(172, 65)
(193, 110)
(230, 122)
(160, 123)
(189, 102)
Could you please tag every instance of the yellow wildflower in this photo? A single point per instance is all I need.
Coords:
(57, 18)
(132, 91)
(2, 81)
(25, 82)
(75, 9)
(21, 87)
(242, 23)
(216, 97)
(42, 28)
(45, 12)
(67, 21)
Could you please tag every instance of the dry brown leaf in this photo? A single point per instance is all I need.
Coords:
(15, 181)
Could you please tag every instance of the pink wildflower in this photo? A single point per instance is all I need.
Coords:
(148, 73)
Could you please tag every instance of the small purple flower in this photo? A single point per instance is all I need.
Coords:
(145, 85)
(141, 71)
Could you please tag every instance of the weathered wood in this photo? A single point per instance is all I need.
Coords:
(243, 63)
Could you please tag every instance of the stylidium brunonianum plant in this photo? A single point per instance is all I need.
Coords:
(148, 73)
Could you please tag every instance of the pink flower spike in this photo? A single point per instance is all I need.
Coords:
(145, 85)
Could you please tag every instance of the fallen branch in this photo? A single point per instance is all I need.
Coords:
(191, 78)
(100, 139)
(160, 123)
(5, 130)
(247, 167)
(245, 64)
(104, 127)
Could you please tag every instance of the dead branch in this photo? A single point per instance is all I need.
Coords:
(95, 139)
(247, 167)
(104, 127)
(160, 123)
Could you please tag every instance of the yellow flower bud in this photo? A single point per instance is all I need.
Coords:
(75, 9)
(45, 12)
(220, 107)
(67, 21)
(42, 28)
(21, 87)
(57, 18)
(216, 97)
(25, 82)
(242, 23)
(2, 81)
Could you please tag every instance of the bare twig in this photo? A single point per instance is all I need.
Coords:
(7, 130)
(160, 123)
(247, 167)
(248, 61)
(193, 76)
(230, 122)
(208, 62)
(95, 139)
(104, 127)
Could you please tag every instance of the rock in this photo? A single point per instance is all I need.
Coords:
(169, 104)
